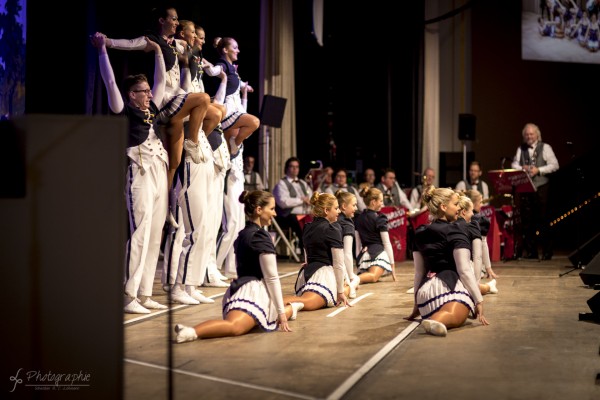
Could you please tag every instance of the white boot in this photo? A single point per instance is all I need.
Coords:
(185, 333)
(194, 151)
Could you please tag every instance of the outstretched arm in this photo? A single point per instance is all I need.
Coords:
(387, 246)
(477, 247)
(419, 275)
(338, 270)
(461, 258)
(268, 266)
(138, 43)
(348, 260)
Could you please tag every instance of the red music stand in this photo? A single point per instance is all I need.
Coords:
(511, 182)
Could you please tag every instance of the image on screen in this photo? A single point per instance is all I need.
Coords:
(560, 31)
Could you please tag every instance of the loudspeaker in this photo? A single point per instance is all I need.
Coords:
(586, 252)
(594, 303)
(591, 274)
(466, 126)
(272, 110)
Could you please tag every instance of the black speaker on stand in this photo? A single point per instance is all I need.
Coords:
(466, 127)
(466, 132)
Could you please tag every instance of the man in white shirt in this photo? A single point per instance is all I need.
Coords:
(538, 160)
(393, 195)
(292, 198)
(252, 179)
(417, 192)
(475, 182)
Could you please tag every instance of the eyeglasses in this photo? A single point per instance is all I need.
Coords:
(145, 91)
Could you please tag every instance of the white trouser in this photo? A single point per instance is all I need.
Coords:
(233, 220)
(197, 215)
(216, 206)
(173, 246)
(147, 201)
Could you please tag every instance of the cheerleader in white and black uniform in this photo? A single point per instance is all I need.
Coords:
(348, 206)
(186, 269)
(445, 287)
(320, 281)
(146, 189)
(473, 231)
(484, 225)
(237, 123)
(376, 257)
(254, 298)
(177, 105)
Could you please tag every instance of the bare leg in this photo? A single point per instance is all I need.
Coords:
(311, 300)
(236, 323)
(213, 117)
(243, 128)
(195, 106)
(452, 314)
(372, 276)
(174, 150)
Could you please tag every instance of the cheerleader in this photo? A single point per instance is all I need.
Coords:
(254, 298)
(348, 207)
(376, 257)
(445, 287)
(471, 228)
(320, 281)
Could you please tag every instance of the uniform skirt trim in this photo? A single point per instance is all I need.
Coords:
(253, 299)
(434, 293)
(381, 260)
(322, 282)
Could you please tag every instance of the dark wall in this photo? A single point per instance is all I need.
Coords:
(358, 88)
(509, 92)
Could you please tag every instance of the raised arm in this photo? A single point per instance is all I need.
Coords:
(158, 90)
(115, 100)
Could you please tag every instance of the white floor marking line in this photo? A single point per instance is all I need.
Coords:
(362, 371)
(288, 274)
(214, 296)
(174, 308)
(340, 309)
(221, 380)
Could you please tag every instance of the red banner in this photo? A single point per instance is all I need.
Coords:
(397, 229)
(494, 236)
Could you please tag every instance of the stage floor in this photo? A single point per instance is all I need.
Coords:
(534, 348)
